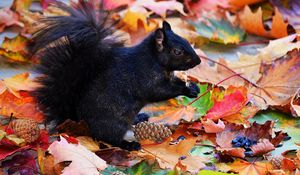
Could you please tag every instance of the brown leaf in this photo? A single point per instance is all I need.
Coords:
(295, 104)
(116, 156)
(251, 168)
(73, 128)
(211, 127)
(262, 147)
(279, 82)
(89, 143)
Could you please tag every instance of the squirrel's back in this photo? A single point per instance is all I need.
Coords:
(72, 53)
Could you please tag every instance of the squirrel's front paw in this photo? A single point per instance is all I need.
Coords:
(193, 90)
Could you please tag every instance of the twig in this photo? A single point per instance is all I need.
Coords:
(236, 74)
(245, 79)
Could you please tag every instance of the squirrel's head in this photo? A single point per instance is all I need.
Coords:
(174, 52)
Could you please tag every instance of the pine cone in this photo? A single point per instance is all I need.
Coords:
(118, 173)
(152, 131)
(26, 129)
(276, 161)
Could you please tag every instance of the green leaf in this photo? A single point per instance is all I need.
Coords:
(219, 31)
(204, 151)
(145, 168)
(203, 104)
(210, 172)
(283, 122)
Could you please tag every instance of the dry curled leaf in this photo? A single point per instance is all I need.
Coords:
(84, 162)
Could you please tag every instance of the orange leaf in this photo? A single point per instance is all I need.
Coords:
(23, 107)
(17, 83)
(21, 5)
(173, 116)
(237, 4)
(131, 20)
(253, 23)
(212, 127)
(14, 49)
(248, 168)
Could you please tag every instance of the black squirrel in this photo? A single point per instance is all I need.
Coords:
(88, 73)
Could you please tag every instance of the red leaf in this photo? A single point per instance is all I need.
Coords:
(230, 105)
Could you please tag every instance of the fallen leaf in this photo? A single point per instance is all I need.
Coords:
(211, 127)
(203, 104)
(236, 4)
(230, 104)
(161, 7)
(220, 31)
(23, 107)
(290, 13)
(9, 18)
(116, 156)
(22, 162)
(73, 128)
(173, 114)
(14, 49)
(113, 4)
(249, 65)
(253, 168)
(131, 19)
(279, 82)
(253, 23)
(295, 104)
(262, 147)
(88, 143)
(17, 83)
(83, 161)
(21, 5)
(196, 7)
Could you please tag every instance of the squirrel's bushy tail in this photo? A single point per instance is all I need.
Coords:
(72, 51)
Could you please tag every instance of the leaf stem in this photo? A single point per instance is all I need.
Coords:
(236, 74)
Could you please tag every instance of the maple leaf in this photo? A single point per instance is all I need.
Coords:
(291, 13)
(262, 147)
(9, 18)
(279, 82)
(230, 104)
(23, 107)
(203, 104)
(14, 49)
(21, 5)
(249, 65)
(295, 104)
(161, 7)
(196, 7)
(132, 18)
(168, 155)
(212, 127)
(89, 143)
(23, 163)
(237, 4)
(116, 156)
(172, 113)
(220, 31)
(83, 161)
(253, 23)
(254, 168)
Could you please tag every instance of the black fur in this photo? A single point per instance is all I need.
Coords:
(89, 75)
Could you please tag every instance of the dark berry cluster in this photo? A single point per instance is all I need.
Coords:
(243, 142)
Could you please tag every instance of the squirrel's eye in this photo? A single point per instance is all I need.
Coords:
(177, 52)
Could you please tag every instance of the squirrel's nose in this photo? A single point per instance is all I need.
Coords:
(197, 59)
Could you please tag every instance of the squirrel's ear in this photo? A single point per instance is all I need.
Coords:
(166, 26)
(159, 38)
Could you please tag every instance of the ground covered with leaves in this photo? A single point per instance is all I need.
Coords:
(244, 121)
